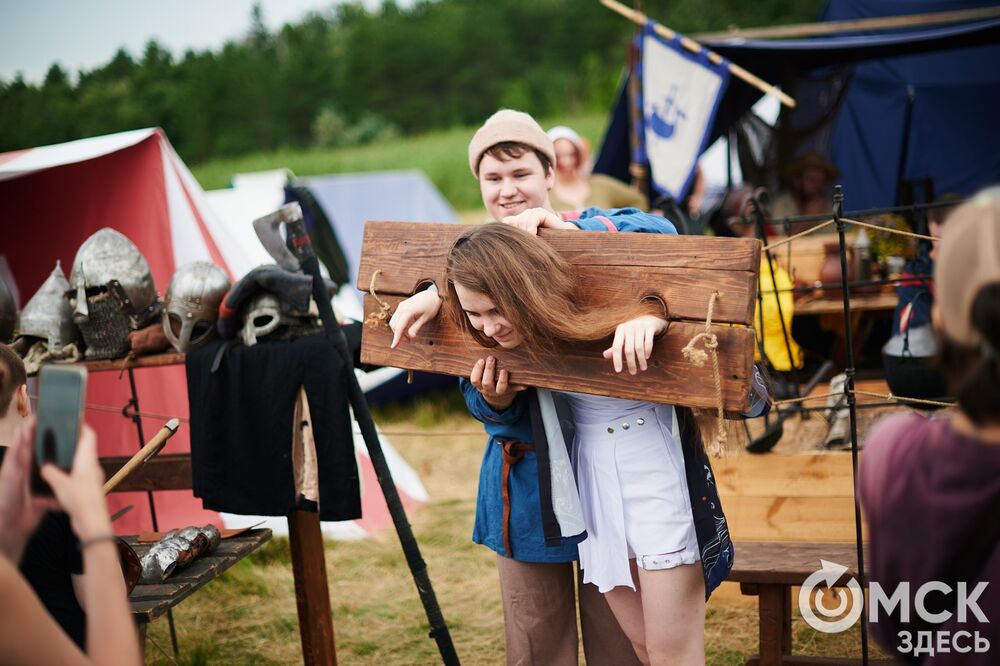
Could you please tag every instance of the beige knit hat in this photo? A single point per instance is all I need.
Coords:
(968, 260)
(509, 125)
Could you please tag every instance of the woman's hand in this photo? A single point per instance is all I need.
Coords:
(634, 341)
(20, 513)
(412, 314)
(81, 493)
(533, 218)
(494, 386)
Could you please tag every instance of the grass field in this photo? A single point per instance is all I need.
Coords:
(248, 616)
(441, 155)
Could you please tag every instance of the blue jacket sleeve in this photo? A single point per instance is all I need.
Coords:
(482, 411)
(623, 219)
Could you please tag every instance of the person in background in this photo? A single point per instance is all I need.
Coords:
(28, 634)
(809, 178)
(908, 356)
(52, 563)
(930, 485)
(576, 188)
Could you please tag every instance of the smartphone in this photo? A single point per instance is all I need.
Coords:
(60, 413)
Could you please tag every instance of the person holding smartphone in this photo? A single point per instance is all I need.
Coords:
(28, 634)
(51, 560)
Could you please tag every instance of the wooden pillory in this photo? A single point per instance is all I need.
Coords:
(682, 271)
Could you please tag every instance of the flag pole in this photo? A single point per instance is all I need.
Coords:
(695, 47)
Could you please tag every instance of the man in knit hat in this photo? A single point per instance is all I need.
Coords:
(513, 158)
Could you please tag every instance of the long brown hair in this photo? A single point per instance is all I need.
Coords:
(533, 287)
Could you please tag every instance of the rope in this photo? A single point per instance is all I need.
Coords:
(118, 410)
(890, 231)
(798, 235)
(869, 394)
(375, 319)
(868, 225)
(916, 401)
(698, 357)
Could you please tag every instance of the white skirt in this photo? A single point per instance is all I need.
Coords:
(634, 495)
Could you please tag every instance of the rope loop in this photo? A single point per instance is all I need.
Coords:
(697, 357)
(376, 319)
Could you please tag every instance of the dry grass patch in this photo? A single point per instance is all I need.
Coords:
(248, 616)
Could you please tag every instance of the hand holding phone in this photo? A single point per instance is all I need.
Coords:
(60, 412)
(79, 493)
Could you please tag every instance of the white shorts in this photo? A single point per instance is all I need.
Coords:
(634, 495)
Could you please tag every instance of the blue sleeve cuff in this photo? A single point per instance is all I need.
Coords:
(484, 412)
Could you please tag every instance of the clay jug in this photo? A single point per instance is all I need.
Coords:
(829, 272)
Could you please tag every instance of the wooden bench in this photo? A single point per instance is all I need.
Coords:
(769, 570)
(774, 502)
(152, 601)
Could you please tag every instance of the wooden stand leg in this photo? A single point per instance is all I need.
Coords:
(312, 594)
(140, 627)
(775, 604)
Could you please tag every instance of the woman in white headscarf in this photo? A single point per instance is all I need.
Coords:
(576, 188)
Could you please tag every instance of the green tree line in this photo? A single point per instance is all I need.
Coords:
(350, 75)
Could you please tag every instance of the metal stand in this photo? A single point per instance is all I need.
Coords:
(131, 411)
(838, 210)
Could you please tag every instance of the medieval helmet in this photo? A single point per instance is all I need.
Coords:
(191, 305)
(265, 314)
(8, 313)
(48, 314)
(112, 293)
(262, 316)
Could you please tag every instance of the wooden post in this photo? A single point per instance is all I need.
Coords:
(312, 593)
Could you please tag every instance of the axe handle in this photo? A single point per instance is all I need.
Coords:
(144, 455)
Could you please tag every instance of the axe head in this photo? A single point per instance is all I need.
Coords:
(268, 230)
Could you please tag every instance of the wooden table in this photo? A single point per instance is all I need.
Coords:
(865, 308)
(769, 570)
(151, 601)
(864, 302)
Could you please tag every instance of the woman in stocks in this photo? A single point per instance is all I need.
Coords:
(930, 485)
(28, 635)
(510, 289)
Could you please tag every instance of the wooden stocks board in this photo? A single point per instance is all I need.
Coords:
(683, 271)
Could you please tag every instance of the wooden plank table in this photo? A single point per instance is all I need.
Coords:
(865, 307)
(151, 601)
(863, 302)
(769, 570)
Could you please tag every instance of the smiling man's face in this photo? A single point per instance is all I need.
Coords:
(514, 185)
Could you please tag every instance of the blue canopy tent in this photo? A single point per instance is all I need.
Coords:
(914, 105)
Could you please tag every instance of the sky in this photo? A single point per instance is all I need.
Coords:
(83, 34)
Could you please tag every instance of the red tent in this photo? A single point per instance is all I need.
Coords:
(54, 197)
